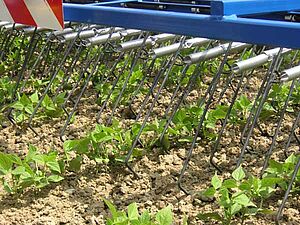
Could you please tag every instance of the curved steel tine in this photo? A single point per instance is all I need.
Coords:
(213, 85)
(148, 113)
(29, 53)
(280, 120)
(271, 76)
(224, 122)
(133, 64)
(126, 63)
(294, 127)
(185, 92)
(146, 76)
(95, 66)
(58, 68)
(287, 192)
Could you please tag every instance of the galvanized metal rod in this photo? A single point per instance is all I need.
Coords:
(286, 195)
(172, 62)
(202, 118)
(260, 105)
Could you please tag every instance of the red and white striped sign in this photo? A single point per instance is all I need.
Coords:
(40, 13)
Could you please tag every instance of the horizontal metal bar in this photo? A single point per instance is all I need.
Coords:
(249, 30)
(214, 52)
(290, 74)
(247, 7)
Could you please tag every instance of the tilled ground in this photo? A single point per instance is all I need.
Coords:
(78, 198)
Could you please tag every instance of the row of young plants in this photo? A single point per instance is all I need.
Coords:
(24, 104)
(238, 196)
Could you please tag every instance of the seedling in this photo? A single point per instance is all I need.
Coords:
(132, 217)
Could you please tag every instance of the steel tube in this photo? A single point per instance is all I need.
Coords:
(98, 40)
(290, 74)
(258, 60)
(151, 40)
(167, 50)
(214, 52)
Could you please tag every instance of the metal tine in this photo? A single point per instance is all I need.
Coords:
(51, 37)
(148, 113)
(280, 120)
(116, 80)
(277, 130)
(44, 53)
(148, 71)
(212, 88)
(184, 94)
(167, 50)
(271, 57)
(292, 134)
(264, 94)
(164, 66)
(210, 91)
(79, 49)
(146, 76)
(11, 35)
(38, 43)
(29, 51)
(58, 68)
(178, 87)
(68, 74)
(224, 122)
(98, 58)
(134, 62)
(287, 192)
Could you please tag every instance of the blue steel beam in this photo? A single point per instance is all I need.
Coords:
(247, 7)
(249, 30)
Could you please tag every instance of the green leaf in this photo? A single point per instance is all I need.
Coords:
(206, 216)
(25, 100)
(270, 181)
(238, 174)
(54, 166)
(210, 192)
(274, 166)
(5, 163)
(55, 178)
(291, 159)
(164, 216)
(235, 208)
(31, 153)
(7, 187)
(216, 182)
(165, 143)
(18, 105)
(75, 164)
(243, 200)
(145, 218)
(19, 170)
(133, 213)
(245, 186)
(111, 207)
(34, 97)
(230, 183)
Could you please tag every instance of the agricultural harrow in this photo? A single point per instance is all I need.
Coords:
(147, 60)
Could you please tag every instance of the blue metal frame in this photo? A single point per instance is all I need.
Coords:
(247, 21)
